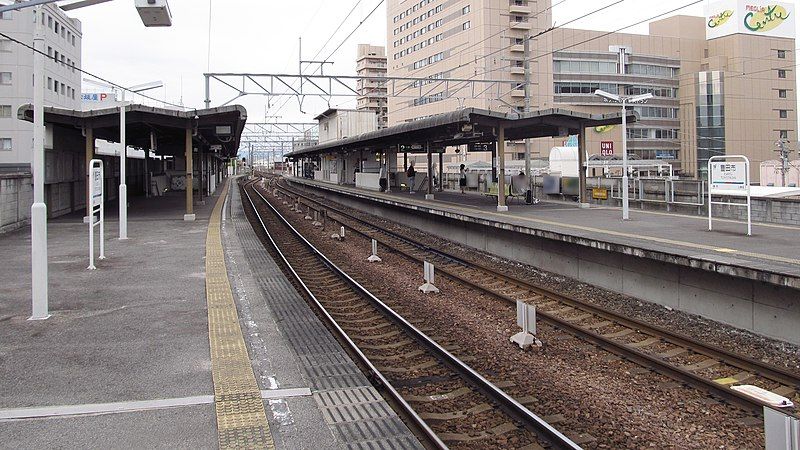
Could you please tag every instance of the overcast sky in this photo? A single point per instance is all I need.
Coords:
(261, 36)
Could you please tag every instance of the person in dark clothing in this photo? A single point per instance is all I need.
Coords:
(462, 178)
(411, 174)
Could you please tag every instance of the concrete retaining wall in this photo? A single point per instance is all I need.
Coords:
(16, 197)
(763, 308)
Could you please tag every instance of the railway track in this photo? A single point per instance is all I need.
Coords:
(447, 401)
(703, 366)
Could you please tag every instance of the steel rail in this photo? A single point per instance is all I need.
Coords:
(516, 410)
(373, 371)
(743, 362)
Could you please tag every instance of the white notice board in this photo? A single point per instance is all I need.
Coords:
(97, 186)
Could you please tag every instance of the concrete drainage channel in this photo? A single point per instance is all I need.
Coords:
(345, 304)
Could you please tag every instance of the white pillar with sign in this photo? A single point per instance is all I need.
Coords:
(729, 175)
(96, 208)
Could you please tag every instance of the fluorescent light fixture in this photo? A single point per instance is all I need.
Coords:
(640, 98)
(608, 96)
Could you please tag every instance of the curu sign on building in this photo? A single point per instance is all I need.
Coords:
(756, 17)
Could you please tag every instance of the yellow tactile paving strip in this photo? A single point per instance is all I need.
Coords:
(241, 419)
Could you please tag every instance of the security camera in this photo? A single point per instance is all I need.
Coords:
(154, 13)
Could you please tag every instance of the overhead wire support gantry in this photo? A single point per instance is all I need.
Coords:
(327, 86)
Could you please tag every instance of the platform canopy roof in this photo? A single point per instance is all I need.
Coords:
(215, 130)
(469, 125)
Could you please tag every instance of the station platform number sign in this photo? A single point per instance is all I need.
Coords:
(482, 147)
(607, 148)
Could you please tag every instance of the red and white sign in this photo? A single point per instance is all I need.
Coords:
(607, 148)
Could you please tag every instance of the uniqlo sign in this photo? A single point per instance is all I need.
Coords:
(607, 148)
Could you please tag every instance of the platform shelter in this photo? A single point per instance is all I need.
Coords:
(190, 149)
(341, 161)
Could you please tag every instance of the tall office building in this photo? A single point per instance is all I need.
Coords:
(724, 83)
(371, 62)
(62, 42)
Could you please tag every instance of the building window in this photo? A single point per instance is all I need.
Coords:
(783, 113)
(5, 111)
(57, 27)
(465, 10)
(5, 46)
(5, 77)
(5, 15)
(5, 144)
(49, 83)
(781, 54)
(582, 88)
(50, 22)
(781, 93)
(781, 73)
(55, 86)
(783, 134)
(465, 26)
(73, 40)
(584, 67)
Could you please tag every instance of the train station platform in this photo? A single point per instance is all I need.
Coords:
(672, 259)
(176, 341)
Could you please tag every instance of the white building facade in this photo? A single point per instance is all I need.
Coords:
(62, 42)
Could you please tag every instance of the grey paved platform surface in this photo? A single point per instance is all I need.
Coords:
(291, 348)
(135, 329)
(773, 249)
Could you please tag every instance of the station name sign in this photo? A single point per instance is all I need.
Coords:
(728, 176)
(756, 17)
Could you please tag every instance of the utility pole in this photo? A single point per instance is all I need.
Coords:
(39, 269)
(527, 66)
(784, 150)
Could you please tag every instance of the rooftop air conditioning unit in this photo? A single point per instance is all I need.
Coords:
(154, 13)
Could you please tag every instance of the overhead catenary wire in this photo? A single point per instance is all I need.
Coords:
(340, 44)
(85, 72)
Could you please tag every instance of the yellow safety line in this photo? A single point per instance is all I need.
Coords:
(241, 419)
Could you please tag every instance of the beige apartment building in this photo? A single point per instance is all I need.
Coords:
(724, 83)
(371, 62)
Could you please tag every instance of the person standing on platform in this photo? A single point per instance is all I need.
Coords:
(382, 180)
(462, 178)
(412, 175)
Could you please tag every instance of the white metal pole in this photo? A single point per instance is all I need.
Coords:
(123, 187)
(625, 212)
(709, 194)
(747, 177)
(102, 212)
(39, 271)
